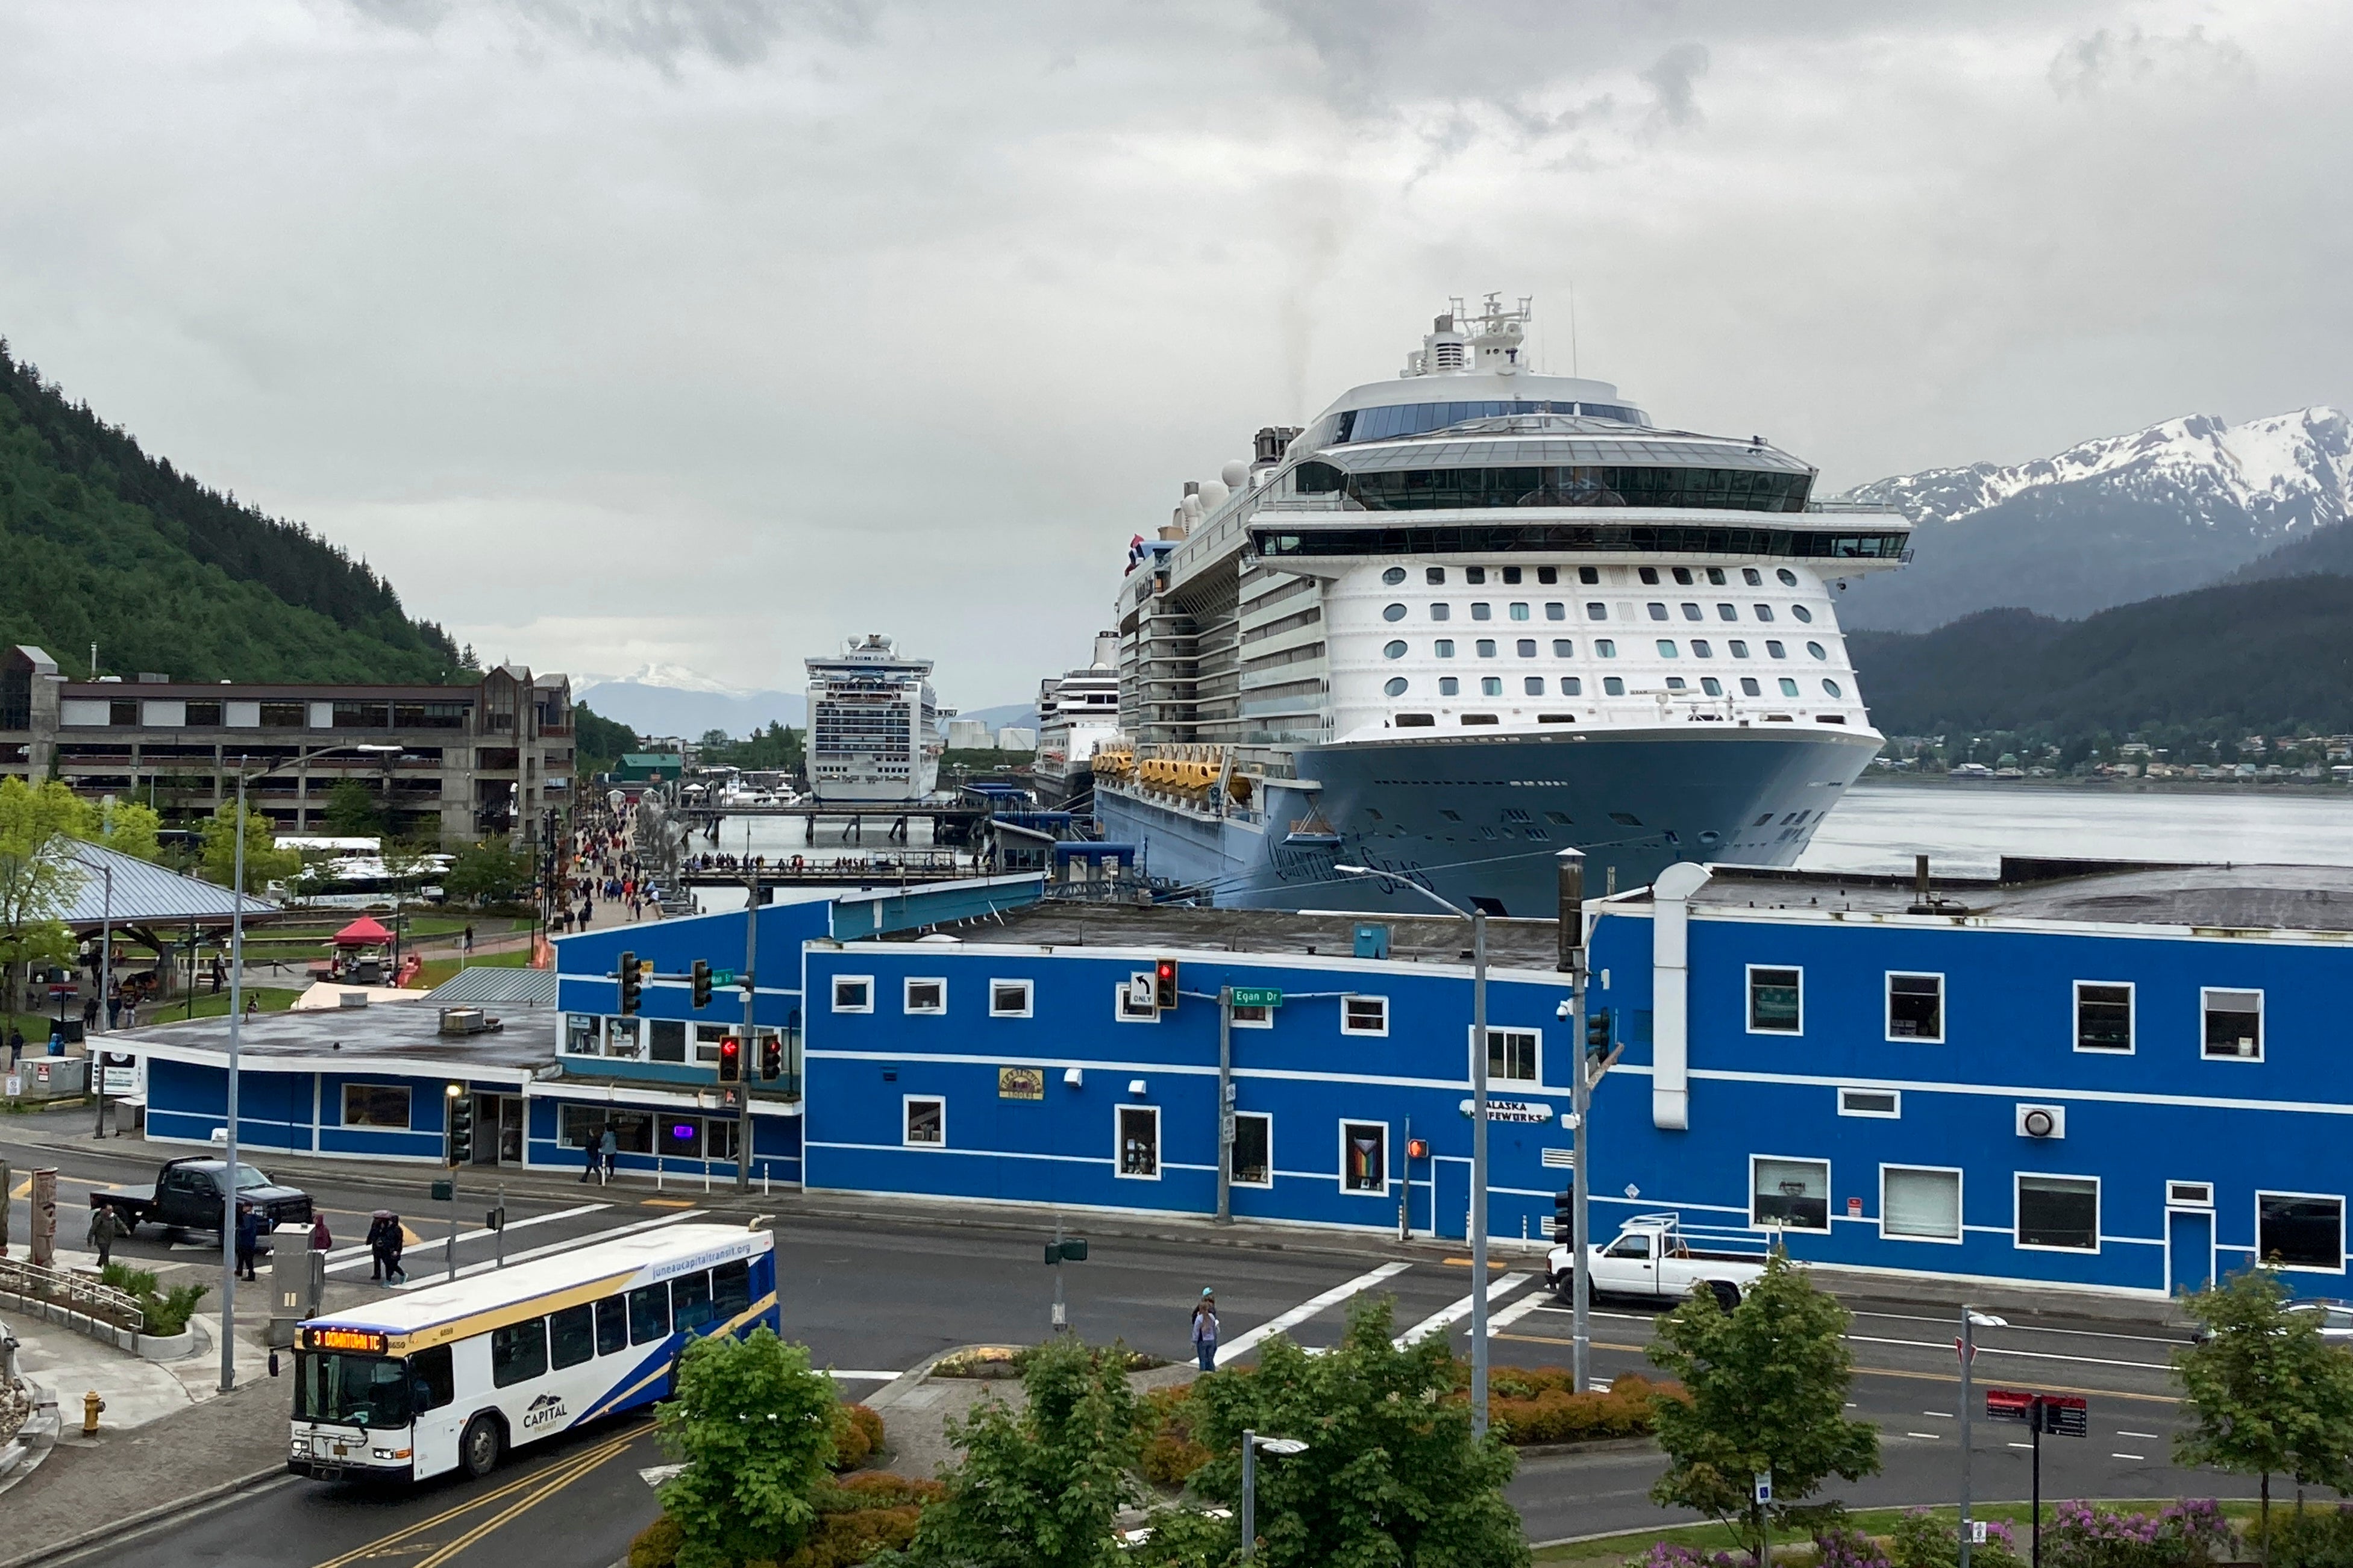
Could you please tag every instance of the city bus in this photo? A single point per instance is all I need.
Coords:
(450, 1377)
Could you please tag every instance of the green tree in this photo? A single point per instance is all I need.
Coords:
(353, 809)
(755, 1429)
(2265, 1392)
(598, 742)
(37, 883)
(264, 861)
(1040, 1487)
(491, 871)
(1766, 1387)
(124, 826)
(1391, 1474)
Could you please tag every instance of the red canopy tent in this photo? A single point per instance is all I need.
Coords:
(362, 932)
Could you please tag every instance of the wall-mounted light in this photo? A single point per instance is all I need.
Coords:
(1073, 1077)
(1135, 1087)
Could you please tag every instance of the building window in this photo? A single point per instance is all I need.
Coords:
(1364, 1015)
(1676, 683)
(1008, 998)
(926, 995)
(1792, 1194)
(2061, 1212)
(1605, 647)
(1486, 647)
(519, 1352)
(1597, 611)
(665, 1039)
(1475, 573)
(1512, 1054)
(1562, 648)
(1441, 612)
(1571, 686)
(1776, 1001)
(1789, 687)
(1700, 649)
(201, 716)
(1711, 685)
(2300, 1230)
(1612, 686)
(1448, 687)
(1519, 611)
(2103, 1016)
(1527, 647)
(1658, 612)
(926, 1121)
(1532, 685)
(285, 715)
(624, 1039)
(1916, 1007)
(1666, 648)
(1556, 611)
(584, 1034)
(1434, 575)
(1364, 1157)
(1692, 613)
(1775, 650)
(1919, 1203)
(1139, 1142)
(1393, 612)
(1253, 1163)
(1727, 613)
(1482, 612)
(1748, 686)
(2234, 1024)
(853, 994)
(681, 1137)
(2197, 1195)
(1491, 686)
(1253, 1017)
(1887, 1103)
(1443, 647)
(375, 1105)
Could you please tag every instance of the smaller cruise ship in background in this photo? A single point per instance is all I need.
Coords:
(1077, 712)
(875, 724)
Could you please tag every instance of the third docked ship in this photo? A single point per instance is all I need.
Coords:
(1470, 615)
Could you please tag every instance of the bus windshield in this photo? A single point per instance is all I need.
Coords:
(352, 1390)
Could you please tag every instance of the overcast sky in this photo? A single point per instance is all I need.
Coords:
(706, 331)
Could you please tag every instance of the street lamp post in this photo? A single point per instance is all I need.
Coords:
(1478, 919)
(1971, 1320)
(105, 977)
(1251, 1444)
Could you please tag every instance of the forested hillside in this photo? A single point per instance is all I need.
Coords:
(101, 542)
(2270, 657)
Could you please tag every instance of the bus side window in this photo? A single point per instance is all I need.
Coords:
(730, 1290)
(649, 1314)
(519, 1352)
(612, 1325)
(432, 1383)
(570, 1335)
(689, 1297)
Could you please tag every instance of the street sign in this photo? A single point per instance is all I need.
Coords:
(1514, 1110)
(1977, 1532)
(1763, 1480)
(2061, 1414)
(722, 977)
(1956, 1350)
(1257, 996)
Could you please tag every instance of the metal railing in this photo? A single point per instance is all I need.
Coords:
(76, 1292)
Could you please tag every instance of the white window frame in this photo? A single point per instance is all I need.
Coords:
(1267, 1117)
(1748, 999)
(907, 995)
(1119, 1114)
(625, 1037)
(907, 1103)
(1470, 1048)
(833, 990)
(2132, 1034)
(1895, 1113)
(1960, 1202)
(1258, 1018)
(1119, 1007)
(2337, 1198)
(1887, 1018)
(1347, 997)
(1341, 1172)
(2263, 1022)
(1028, 999)
(2099, 1212)
(2174, 1200)
(593, 1045)
(1829, 1204)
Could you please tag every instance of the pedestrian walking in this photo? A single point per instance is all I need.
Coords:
(1205, 1330)
(248, 1240)
(469, 939)
(593, 1157)
(105, 1230)
(130, 1011)
(609, 1145)
(88, 1014)
(322, 1239)
(220, 975)
(378, 1245)
(114, 1008)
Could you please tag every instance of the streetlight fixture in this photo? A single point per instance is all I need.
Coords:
(1971, 1320)
(1281, 1448)
(1478, 919)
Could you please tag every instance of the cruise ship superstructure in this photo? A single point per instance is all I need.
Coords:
(1077, 712)
(1472, 615)
(874, 724)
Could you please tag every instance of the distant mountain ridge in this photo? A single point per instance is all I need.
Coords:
(2109, 522)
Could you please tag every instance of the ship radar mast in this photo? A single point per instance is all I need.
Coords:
(1459, 344)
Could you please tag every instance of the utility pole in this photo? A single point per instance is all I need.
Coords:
(236, 1023)
(1971, 1320)
(1478, 1171)
(751, 1032)
(1580, 1100)
(1225, 1105)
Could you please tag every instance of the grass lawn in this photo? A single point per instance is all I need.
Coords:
(1608, 1550)
(436, 970)
(273, 999)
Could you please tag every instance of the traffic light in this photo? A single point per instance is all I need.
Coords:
(1164, 985)
(633, 984)
(1597, 1031)
(772, 1059)
(461, 1125)
(702, 977)
(1071, 1250)
(731, 1059)
(1564, 1219)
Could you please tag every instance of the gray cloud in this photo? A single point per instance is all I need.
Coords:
(1671, 78)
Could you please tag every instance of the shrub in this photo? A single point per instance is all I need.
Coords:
(2317, 1538)
(858, 1517)
(656, 1546)
(2185, 1534)
(1843, 1548)
(1668, 1554)
(161, 1315)
(1170, 1454)
(1920, 1540)
(860, 1440)
(1536, 1405)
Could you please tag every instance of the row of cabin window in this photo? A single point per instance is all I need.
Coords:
(927, 996)
(691, 1303)
(1603, 648)
(2233, 1020)
(1923, 1202)
(1612, 686)
(1591, 575)
(1135, 1135)
(1595, 610)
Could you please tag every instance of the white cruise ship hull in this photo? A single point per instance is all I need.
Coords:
(1484, 817)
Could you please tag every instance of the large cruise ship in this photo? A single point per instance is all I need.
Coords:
(874, 724)
(1472, 615)
(1077, 712)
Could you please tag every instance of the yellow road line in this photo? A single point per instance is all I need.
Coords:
(590, 1458)
(666, 1203)
(516, 1510)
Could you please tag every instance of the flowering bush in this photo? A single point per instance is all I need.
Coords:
(2186, 1534)
(1667, 1554)
(1920, 1540)
(1841, 1548)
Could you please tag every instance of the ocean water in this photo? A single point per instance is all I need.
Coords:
(1967, 828)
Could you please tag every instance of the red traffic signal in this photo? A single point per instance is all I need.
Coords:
(731, 1059)
(1164, 985)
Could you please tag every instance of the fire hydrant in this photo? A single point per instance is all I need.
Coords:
(90, 1406)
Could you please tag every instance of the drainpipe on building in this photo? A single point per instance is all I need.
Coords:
(1671, 898)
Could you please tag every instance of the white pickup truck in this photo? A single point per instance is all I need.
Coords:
(1654, 1256)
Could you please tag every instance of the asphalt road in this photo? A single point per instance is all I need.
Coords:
(872, 1299)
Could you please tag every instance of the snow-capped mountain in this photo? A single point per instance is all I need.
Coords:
(672, 700)
(2173, 507)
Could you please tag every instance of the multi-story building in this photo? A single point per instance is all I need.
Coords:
(459, 761)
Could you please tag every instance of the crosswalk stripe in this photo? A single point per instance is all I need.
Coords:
(347, 1258)
(1498, 1321)
(1447, 1317)
(431, 1275)
(1308, 1309)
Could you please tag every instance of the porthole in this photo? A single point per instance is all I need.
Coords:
(1491, 686)
(1534, 684)
(1393, 612)
(1831, 687)
(1802, 613)
(1448, 686)
(1441, 612)
(1612, 687)
(1775, 650)
(1433, 576)
(1788, 578)
(1445, 646)
(1750, 575)
(1789, 687)
(1394, 650)
(1393, 576)
(1666, 648)
(1817, 650)
(1395, 687)
(1604, 648)
(1748, 686)
(1711, 685)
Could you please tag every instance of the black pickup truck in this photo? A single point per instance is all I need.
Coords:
(187, 1196)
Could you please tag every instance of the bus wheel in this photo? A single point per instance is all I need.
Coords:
(479, 1449)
